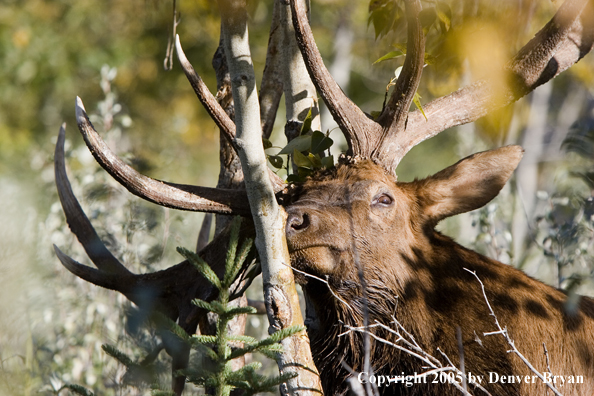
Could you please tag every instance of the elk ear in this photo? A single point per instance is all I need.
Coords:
(468, 184)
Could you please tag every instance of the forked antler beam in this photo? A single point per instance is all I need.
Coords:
(561, 43)
(364, 135)
(353, 122)
(394, 115)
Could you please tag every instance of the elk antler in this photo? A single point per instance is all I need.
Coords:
(567, 38)
(364, 135)
(165, 286)
(218, 114)
(214, 109)
(178, 196)
(173, 195)
(169, 291)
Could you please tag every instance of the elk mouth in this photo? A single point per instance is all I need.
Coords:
(318, 260)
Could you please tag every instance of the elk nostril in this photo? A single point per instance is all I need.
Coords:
(298, 222)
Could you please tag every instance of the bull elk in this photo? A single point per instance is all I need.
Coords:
(365, 244)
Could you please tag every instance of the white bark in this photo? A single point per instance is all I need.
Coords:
(269, 219)
(300, 92)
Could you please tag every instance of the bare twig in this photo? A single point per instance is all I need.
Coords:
(503, 331)
(546, 352)
(321, 280)
(461, 352)
(412, 348)
(168, 61)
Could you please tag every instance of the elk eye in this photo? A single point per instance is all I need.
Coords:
(382, 199)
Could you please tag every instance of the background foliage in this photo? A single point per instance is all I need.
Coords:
(52, 325)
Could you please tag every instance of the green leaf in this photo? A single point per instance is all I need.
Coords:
(304, 173)
(231, 259)
(286, 332)
(384, 15)
(172, 327)
(430, 59)
(328, 162)
(400, 47)
(320, 142)
(315, 160)
(218, 308)
(240, 311)
(117, 354)
(204, 339)
(231, 251)
(203, 304)
(306, 126)
(300, 143)
(206, 350)
(242, 338)
(266, 143)
(293, 179)
(301, 160)
(417, 102)
(240, 258)
(276, 161)
(390, 55)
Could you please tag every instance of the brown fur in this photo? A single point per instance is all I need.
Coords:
(413, 272)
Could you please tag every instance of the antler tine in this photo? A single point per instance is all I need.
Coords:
(395, 114)
(360, 131)
(214, 109)
(177, 196)
(566, 38)
(78, 221)
(97, 277)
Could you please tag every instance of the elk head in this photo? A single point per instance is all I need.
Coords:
(359, 218)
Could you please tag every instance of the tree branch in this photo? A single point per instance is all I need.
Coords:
(280, 292)
(300, 92)
(216, 112)
(272, 78)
